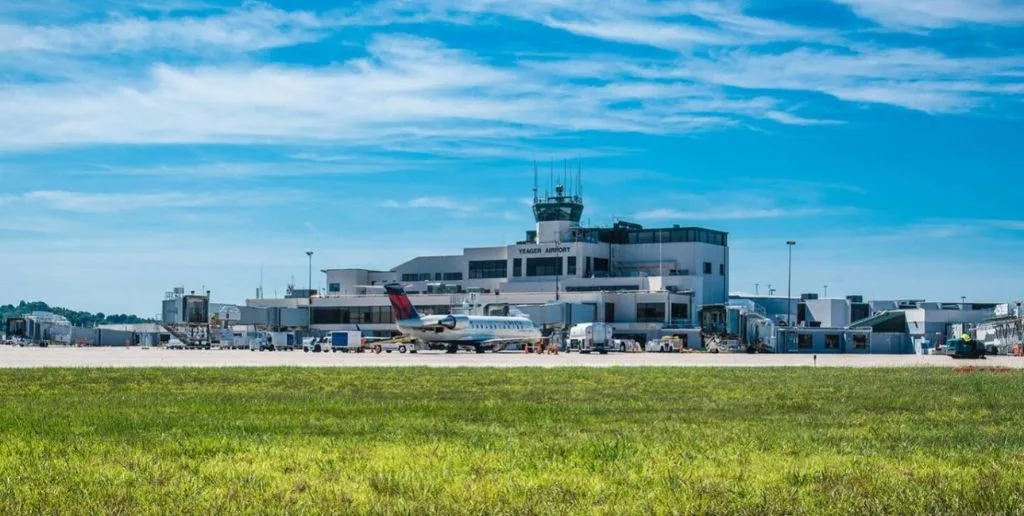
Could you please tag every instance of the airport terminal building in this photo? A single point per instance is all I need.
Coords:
(642, 280)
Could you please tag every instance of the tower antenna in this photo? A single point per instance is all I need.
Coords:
(551, 177)
(579, 178)
(535, 181)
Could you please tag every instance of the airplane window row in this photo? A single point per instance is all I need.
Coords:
(499, 326)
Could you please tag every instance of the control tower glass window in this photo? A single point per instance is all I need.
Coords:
(558, 207)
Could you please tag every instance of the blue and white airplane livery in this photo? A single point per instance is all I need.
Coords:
(453, 331)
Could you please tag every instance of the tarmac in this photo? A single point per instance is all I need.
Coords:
(33, 357)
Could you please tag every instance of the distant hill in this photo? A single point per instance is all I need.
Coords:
(85, 319)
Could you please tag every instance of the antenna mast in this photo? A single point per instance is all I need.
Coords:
(565, 172)
(579, 178)
(534, 181)
(551, 178)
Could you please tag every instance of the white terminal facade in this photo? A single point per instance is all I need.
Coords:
(645, 282)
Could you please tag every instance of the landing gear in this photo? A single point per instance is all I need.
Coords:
(452, 348)
(479, 348)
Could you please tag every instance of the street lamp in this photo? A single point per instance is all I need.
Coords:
(789, 295)
(309, 292)
(826, 292)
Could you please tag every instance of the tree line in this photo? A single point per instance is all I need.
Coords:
(83, 319)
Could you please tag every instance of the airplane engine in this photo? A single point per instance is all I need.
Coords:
(455, 322)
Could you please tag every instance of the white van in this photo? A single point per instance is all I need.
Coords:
(588, 337)
(274, 341)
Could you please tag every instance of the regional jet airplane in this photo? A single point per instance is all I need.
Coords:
(453, 331)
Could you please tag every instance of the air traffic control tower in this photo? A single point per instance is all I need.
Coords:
(558, 215)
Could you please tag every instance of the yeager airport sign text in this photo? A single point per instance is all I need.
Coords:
(545, 250)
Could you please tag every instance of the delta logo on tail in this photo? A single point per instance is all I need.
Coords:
(401, 306)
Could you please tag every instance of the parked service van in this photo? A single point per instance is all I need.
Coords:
(274, 341)
(589, 337)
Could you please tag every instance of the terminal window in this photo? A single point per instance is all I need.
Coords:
(571, 266)
(831, 341)
(334, 287)
(680, 311)
(860, 342)
(721, 269)
(650, 312)
(416, 277)
(544, 266)
(601, 265)
(453, 276)
(707, 267)
(805, 341)
(487, 269)
(517, 267)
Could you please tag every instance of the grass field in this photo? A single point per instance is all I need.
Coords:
(561, 441)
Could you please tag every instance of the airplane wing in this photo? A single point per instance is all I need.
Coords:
(498, 342)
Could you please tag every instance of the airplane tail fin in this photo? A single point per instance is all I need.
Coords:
(401, 306)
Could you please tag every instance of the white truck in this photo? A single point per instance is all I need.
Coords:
(591, 337)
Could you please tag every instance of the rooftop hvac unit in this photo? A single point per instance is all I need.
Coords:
(855, 299)
(805, 297)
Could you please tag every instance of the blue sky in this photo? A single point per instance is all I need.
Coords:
(145, 146)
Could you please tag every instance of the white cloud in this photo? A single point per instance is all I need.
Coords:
(917, 79)
(1012, 225)
(769, 200)
(676, 25)
(935, 14)
(433, 203)
(253, 27)
(726, 213)
(409, 88)
(783, 117)
(93, 202)
(416, 95)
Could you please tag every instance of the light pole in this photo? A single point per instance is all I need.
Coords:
(309, 292)
(789, 289)
(826, 292)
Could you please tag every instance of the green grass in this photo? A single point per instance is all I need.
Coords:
(473, 441)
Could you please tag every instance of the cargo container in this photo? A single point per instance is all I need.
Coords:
(346, 341)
